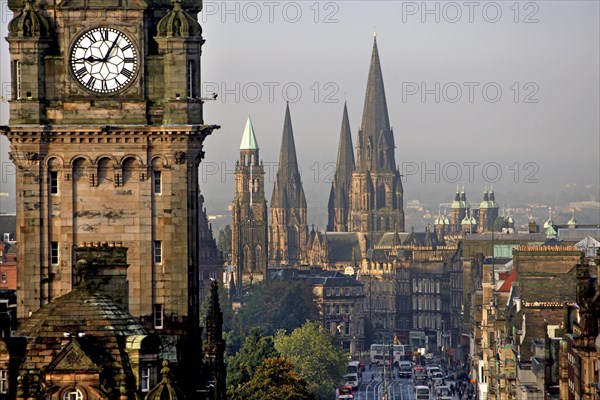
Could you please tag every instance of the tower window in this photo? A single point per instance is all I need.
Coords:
(157, 252)
(157, 182)
(54, 253)
(3, 381)
(53, 182)
(158, 316)
(17, 73)
(191, 72)
(145, 379)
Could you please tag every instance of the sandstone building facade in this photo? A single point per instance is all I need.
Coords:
(250, 221)
(106, 131)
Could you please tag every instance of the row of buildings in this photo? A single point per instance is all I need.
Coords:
(531, 315)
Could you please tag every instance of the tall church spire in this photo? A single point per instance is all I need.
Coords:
(289, 231)
(376, 139)
(376, 199)
(288, 189)
(345, 156)
(339, 200)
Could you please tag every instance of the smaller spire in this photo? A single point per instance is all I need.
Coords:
(249, 139)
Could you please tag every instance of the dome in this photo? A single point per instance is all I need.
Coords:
(96, 320)
(468, 221)
(439, 220)
(29, 22)
(548, 223)
(178, 22)
(485, 204)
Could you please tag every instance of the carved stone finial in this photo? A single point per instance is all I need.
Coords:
(178, 23)
(82, 269)
(180, 157)
(29, 22)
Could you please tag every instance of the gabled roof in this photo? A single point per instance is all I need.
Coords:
(507, 285)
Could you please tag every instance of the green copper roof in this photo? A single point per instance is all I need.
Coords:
(249, 140)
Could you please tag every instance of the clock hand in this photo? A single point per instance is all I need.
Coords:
(105, 59)
(88, 59)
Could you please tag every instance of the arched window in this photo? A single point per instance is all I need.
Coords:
(380, 196)
(79, 167)
(129, 166)
(245, 258)
(257, 257)
(104, 167)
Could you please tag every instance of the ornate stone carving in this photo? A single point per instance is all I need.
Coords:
(29, 22)
(180, 157)
(178, 23)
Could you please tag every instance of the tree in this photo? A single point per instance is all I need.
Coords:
(242, 366)
(274, 379)
(316, 359)
(225, 309)
(224, 241)
(275, 305)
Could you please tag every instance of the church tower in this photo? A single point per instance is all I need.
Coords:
(250, 230)
(376, 196)
(289, 230)
(106, 131)
(339, 197)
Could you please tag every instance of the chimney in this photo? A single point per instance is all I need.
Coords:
(107, 264)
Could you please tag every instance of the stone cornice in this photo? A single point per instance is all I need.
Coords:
(118, 133)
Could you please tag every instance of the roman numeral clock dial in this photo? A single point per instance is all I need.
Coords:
(104, 60)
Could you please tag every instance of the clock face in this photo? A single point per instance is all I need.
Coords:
(104, 60)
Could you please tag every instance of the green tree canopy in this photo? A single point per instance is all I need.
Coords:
(242, 366)
(224, 241)
(274, 380)
(275, 305)
(311, 350)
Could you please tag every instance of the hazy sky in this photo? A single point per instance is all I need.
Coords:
(471, 86)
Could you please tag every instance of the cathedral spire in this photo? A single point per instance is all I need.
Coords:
(377, 142)
(345, 156)
(249, 139)
(339, 196)
(288, 230)
(288, 191)
(375, 113)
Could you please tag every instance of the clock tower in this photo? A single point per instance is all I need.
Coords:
(106, 131)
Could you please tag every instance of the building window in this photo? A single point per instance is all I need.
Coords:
(17, 73)
(191, 72)
(4, 277)
(53, 182)
(157, 251)
(158, 316)
(157, 182)
(145, 379)
(3, 381)
(54, 254)
(73, 394)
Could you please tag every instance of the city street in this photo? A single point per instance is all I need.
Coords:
(397, 388)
